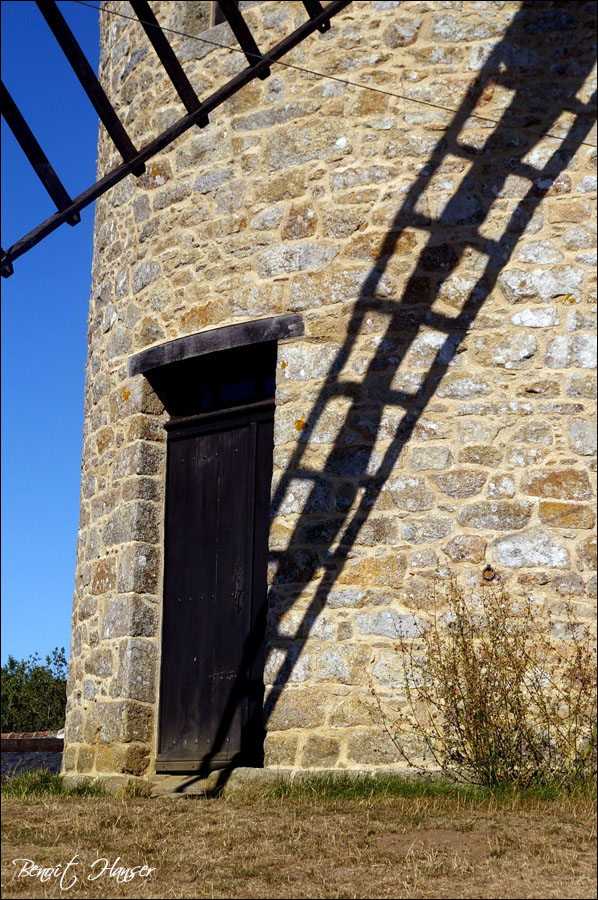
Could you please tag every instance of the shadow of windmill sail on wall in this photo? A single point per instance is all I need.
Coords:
(401, 358)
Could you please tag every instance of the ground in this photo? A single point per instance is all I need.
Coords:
(306, 844)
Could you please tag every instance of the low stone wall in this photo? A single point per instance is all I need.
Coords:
(29, 751)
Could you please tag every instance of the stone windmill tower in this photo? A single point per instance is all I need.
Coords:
(340, 344)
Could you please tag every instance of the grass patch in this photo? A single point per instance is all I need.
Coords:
(322, 837)
(44, 783)
(333, 786)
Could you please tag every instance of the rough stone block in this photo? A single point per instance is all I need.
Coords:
(586, 550)
(297, 708)
(104, 576)
(495, 514)
(280, 749)
(388, 623)
(566, 515)
(424, 458)
(128, 617)
(466, 547)
(582, 437)
(119, 721)
(372, 748)
(344, 664)
(560, 484)
(99, 662)
(135, 676)
(530, 548)
(139, 569)
(460, 482)
(320, 752)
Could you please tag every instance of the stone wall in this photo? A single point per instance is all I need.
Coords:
(437, 416)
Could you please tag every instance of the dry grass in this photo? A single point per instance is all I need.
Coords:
(299, 844)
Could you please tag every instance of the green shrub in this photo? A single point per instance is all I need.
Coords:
(34, 694)
(498, 693)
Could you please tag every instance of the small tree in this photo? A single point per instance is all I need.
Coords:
(34, 694)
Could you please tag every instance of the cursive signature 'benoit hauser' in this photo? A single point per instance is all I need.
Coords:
(64, 872)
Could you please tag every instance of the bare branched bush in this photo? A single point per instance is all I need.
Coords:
(497, 692)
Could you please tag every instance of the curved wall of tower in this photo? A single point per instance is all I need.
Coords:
(437, 417)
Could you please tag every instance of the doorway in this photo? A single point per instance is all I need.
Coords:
(218, 478)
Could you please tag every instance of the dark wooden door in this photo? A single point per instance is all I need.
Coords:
(219, 470)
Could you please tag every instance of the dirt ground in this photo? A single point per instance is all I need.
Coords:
(298, 847)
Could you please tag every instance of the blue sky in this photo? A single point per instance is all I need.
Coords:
(44, 324)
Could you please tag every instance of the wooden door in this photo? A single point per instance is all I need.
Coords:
(219, 469)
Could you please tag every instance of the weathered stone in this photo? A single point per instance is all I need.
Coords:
(140, 458)
(477, 431)
(576, 210)
(540, 284)
(340, 223)
(389, 623)
(373, 748)
(280, 749)
(463, 386)
(581, 386)
(377, 531)
(344, 664)
(129, 617)
(320, 752)
(495, 514)
(513, 352)
(569, 585)
(535, 433)
(296, 146)
(460, 482)
(145, 274)
(466, 547)
(579, 321)
(578, 350)
(132, 759)
(544, 387)
(118, 721)
(582, 437)
(268, 218)
(530, 548)
(566, 515)
(481, 455)
(523, 457)
(205, 184)
(99, 662)
(500, 486)
(290, 655)
(385, 570)
(301, 222)
(544, 317)
(85, 759)
(586, 550)
(104, 576)
(409, 492)
(423, 559)
(297, 708)
(388, 668)
(135, 677)
(424, 458)
(285, 258)
(139, 569)
(374, 245)
(561, 484)
(428, 529)
(402, 33)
